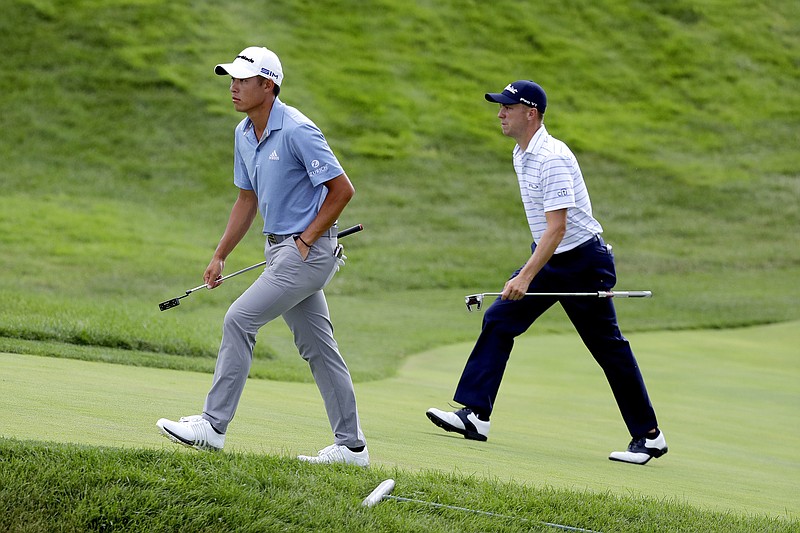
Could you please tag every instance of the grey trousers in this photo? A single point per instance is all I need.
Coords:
(292, 288)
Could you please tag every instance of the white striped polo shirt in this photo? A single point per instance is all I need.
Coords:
(550, 179)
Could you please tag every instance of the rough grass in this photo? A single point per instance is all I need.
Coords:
(78, 488)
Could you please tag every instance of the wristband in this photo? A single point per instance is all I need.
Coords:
(299, 238)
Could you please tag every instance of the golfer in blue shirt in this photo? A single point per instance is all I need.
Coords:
(285, 170)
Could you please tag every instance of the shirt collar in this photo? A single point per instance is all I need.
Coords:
(275, 120)
(536, 142)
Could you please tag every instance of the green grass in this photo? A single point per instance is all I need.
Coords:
(117, 159)
(116, 170)
(724, 413)
(110, 489)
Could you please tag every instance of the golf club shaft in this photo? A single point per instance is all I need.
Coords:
(598, 294)
(485, 513)
(223, 278)
(343, 233)
(383, 492)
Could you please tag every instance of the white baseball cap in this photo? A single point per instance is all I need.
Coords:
(253, 61)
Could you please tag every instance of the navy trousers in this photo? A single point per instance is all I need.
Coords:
(588, 268)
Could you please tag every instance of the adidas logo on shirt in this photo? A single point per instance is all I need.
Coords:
(274, 156)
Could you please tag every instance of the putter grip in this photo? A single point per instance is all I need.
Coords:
(380, 492)
(349, 231)
(633, 294)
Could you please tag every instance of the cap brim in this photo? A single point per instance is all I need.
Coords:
(500, 98)
(234, 70)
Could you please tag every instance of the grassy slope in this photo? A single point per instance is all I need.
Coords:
(116, 165)
(107, 489)
(723, 413)
(117, 162)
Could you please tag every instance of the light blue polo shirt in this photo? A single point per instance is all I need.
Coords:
(286, 169)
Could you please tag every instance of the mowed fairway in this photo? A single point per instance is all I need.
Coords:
(728, 401)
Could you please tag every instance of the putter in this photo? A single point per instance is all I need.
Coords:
(383, 492)
(477, 299)
(174, 302)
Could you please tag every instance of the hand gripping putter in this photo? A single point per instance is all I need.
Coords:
(477, 299)
(169, 304)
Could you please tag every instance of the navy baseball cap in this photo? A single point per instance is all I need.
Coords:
(521, 92)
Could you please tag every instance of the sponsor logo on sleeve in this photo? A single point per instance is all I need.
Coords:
(317, 169)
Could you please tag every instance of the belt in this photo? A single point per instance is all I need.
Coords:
(274, 238)
(585, 244)
(591, 242)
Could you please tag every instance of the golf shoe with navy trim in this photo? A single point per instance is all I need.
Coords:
(192, 431)
(463, 421)
(642, 450)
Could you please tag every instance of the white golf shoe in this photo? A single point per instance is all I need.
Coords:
(642, 450)
(193, 431)
(463, 421)
(337, 453)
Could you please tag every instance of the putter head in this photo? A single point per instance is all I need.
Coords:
(169, 304)
(473, 299)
